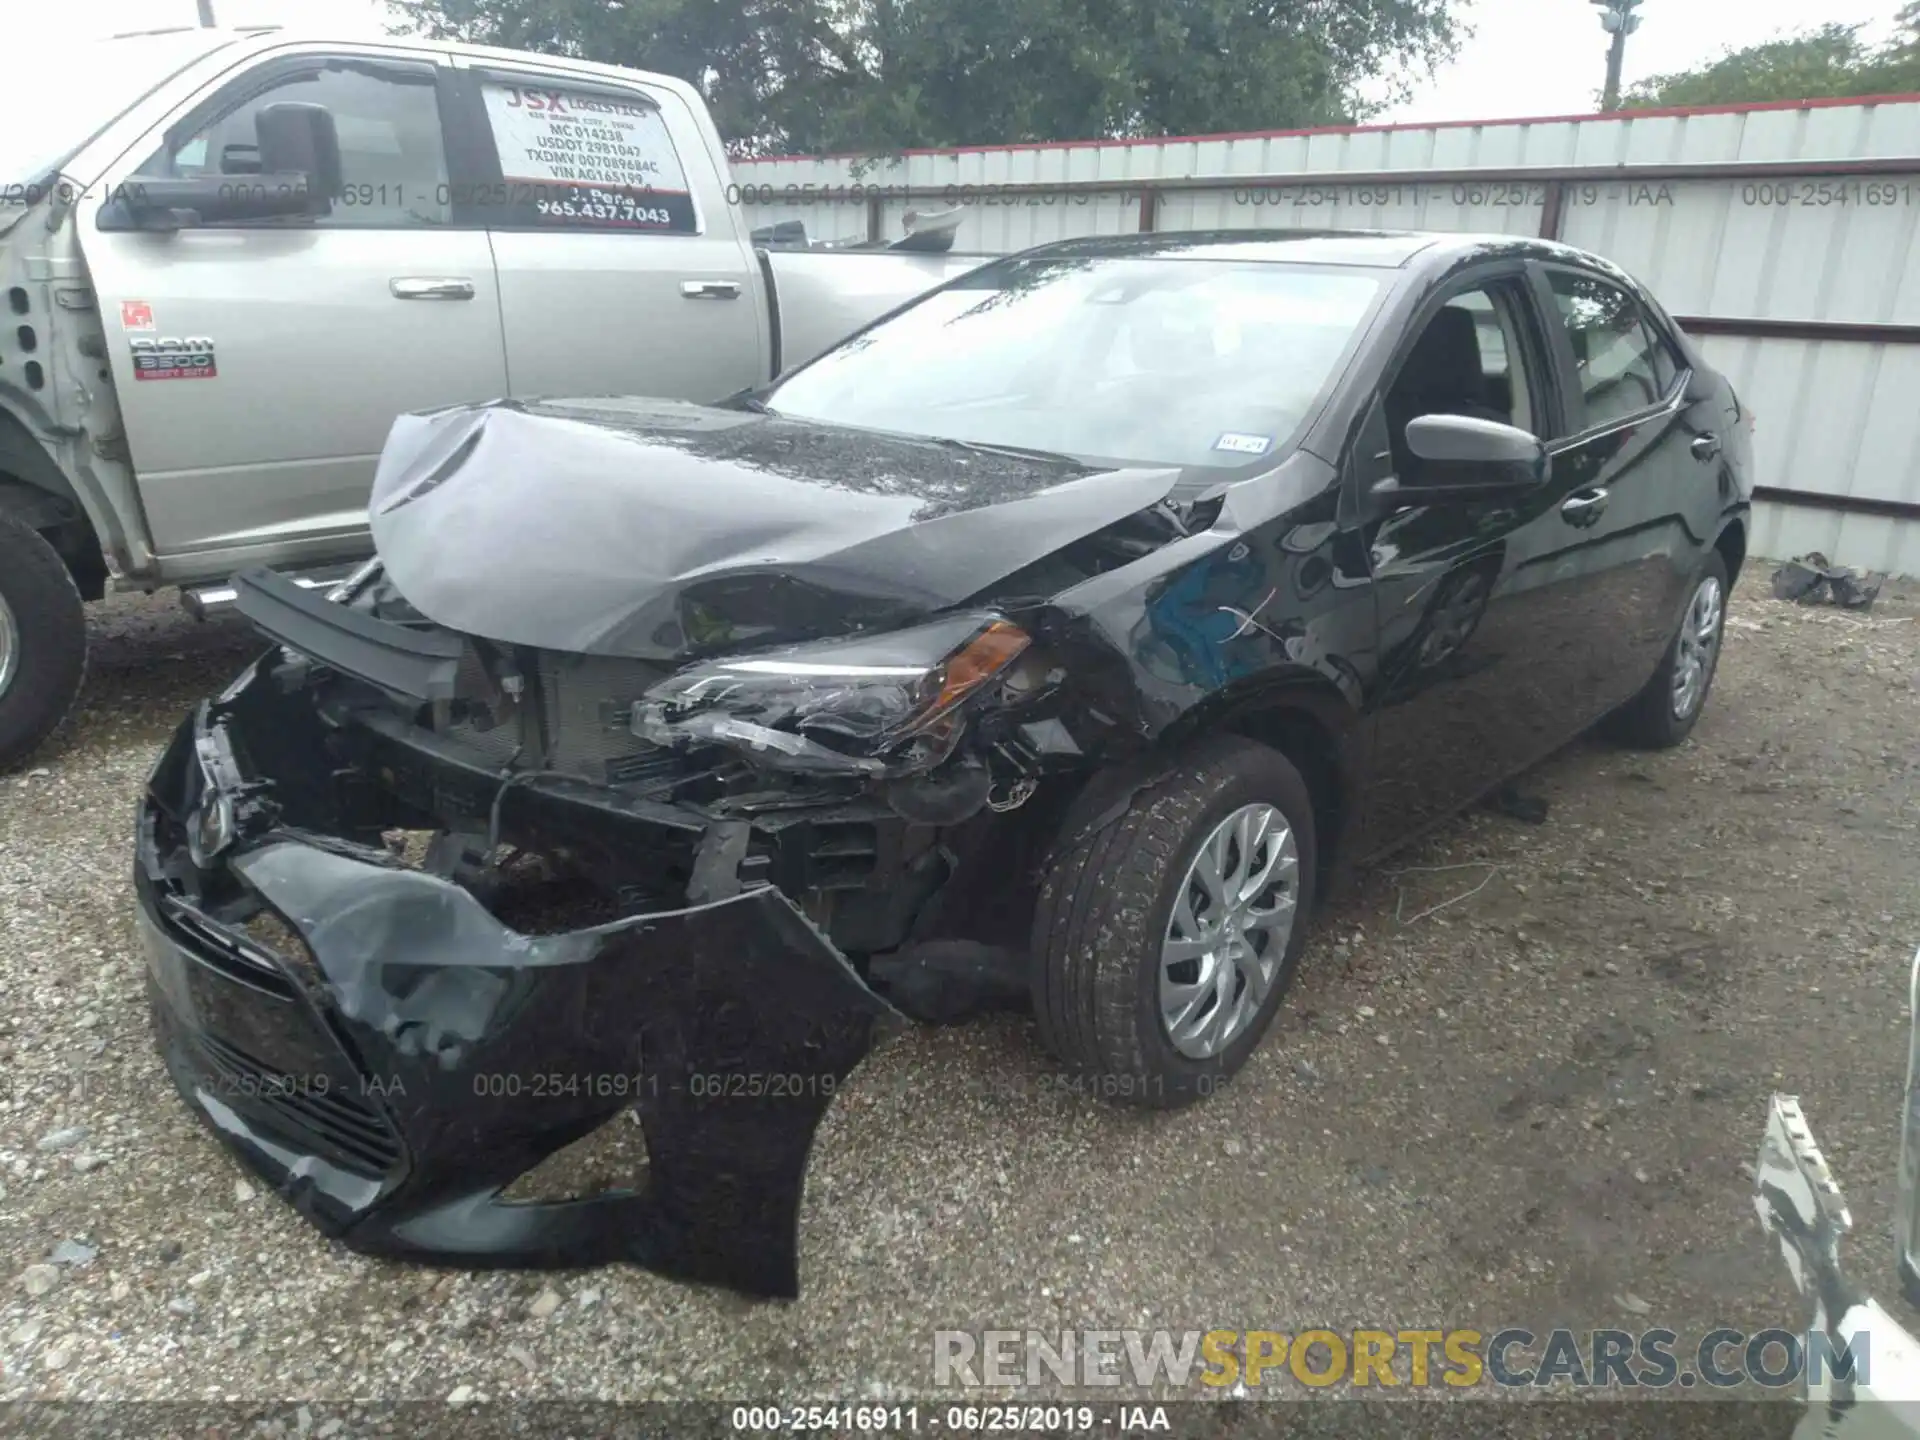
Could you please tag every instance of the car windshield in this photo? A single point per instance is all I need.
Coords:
(1142, 361)
(54, 103)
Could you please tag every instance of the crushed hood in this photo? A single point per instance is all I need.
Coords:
(659, 531)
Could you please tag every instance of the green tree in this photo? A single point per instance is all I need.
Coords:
(1828, 61)
(877, 76)
(1899, 61)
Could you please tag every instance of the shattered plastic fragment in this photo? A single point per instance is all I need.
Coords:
(1814, 580)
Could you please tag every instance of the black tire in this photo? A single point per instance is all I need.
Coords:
(1649, 721)
(49, 634)
(1106, 896)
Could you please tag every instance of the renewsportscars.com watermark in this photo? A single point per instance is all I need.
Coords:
(1414, 1359)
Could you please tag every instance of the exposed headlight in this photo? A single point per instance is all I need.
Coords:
(210, 826)
(874, 704)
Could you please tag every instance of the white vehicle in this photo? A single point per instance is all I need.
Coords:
(229, 259)
(1800, 1204)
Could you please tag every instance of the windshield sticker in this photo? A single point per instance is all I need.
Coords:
(189, 359)
(136, 315)
(1241, 444)
(593, 161)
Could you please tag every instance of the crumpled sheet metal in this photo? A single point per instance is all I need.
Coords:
(1815, 580)
(705, 1006)
(658, 531)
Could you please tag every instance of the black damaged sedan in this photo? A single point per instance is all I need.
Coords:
(1055, 641)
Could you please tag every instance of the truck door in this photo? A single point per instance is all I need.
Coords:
(259, 364)
(622, 268)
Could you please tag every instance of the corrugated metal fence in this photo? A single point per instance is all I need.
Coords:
(1786, 237)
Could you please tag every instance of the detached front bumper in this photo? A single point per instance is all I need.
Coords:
(397, 1056)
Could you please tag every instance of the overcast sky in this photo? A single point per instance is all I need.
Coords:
(1527, 57)
(1549, 57)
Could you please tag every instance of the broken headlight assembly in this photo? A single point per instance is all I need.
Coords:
(210, 826)
(880, 705)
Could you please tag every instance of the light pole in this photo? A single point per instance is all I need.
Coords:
(1618, 20)
(206, 14)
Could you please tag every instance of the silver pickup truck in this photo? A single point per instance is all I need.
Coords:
(229, 259)
(1870, 1389)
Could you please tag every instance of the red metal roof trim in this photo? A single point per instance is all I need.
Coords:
(1824, 103)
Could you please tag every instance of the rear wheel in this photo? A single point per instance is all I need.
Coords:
(43, 641)
(1665, 712)
(1169, 924)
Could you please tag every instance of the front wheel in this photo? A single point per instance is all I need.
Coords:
(1169, 925)
(43, 640)
(1664, 713)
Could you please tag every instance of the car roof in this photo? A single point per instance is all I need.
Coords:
(1376, 249)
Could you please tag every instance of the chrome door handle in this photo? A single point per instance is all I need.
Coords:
(430, 287)
(1706, 447)
(1584, 507)
(710, 289)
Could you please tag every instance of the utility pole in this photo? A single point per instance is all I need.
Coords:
(1618, 20)
(206, 14)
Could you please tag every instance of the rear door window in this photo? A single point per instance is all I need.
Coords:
(581, 158)
(1622, 365)
(1666, 368)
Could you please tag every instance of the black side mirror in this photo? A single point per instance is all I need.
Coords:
(297, 138)
(1464, 440)
(297, 174)
(1464, 459)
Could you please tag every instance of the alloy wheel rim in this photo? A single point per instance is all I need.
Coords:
(1227, 937)
(9, 646)
(1699, 647)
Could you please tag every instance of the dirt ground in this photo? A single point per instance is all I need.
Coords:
(1520, 1082)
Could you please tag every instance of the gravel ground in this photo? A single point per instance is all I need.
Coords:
(1535, 1106)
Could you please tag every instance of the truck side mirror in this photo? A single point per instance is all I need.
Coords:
(298, 138)
(296, 174)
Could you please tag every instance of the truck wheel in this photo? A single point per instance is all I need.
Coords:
(1169, 925)
(43, 641)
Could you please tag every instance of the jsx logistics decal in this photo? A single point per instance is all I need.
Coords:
(1247, 1360)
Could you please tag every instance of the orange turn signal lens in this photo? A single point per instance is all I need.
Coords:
(975, 663)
